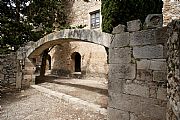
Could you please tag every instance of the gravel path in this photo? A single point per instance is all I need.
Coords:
(33, 105)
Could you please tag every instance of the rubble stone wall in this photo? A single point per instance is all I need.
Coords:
(173, 61)
(137, 74)
(171, 10)
(8, 69)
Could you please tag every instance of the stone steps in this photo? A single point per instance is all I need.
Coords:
(47, 89)
(92, 91)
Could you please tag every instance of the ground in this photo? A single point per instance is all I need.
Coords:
(31, 104)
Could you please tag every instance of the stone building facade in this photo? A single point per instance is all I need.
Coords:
(80, 11)
(92, 60)
(93, 57)
(171, 10)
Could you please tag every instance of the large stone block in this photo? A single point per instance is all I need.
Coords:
(120, 55)
(145, 37)
(143, 64)
(135, 89)
(139, 117)
(114, 114)
(119, 29)
(124, 71)
(115, 85)
(134, 25)
(139, 105)
(153, 21)
(159, 76)
(1, 76)
(158, 64)
(148, 52)
(162, 35)
(144, 75)
(162, 93)
(120, 40)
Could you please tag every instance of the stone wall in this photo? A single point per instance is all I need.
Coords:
(173, 88)
(137, 73)
(78, 11)
(171, 10)
(8, 69)
(93, 59)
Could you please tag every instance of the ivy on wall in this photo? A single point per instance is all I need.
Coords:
(116, 12)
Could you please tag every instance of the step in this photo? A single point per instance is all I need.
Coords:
(89, 94)
(72, 100)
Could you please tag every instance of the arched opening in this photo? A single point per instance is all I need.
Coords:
(76, 58)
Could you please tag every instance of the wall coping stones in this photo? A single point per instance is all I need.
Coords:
(134, 25)
(119, 29)
(153, 21)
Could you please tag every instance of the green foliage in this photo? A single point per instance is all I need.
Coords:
(29, 20)
(116, 12)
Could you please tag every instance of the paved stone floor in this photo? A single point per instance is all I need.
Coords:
(89, 90)
(31, 104)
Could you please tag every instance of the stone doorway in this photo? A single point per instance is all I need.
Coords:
(76, 60)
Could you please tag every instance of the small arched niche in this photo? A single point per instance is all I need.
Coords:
(76, 62)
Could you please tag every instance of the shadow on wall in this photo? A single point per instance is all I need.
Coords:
(60, 60)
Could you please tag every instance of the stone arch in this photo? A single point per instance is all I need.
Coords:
(34, 49)
(55, 38)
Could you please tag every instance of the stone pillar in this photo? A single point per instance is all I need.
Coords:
(173, 88)
(25, 69)
(137, 75)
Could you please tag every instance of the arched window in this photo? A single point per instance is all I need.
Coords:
(76, 57)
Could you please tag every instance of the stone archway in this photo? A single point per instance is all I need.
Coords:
(34, 49)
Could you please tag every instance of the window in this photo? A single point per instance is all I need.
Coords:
(95, 19)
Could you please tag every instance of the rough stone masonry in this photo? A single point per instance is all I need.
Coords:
(137, 73)
(138, 87)
(8, 70)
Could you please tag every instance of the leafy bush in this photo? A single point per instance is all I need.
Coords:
(116, 12)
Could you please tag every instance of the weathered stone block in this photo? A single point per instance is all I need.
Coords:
(120, 55)
(138, 105)
(134, 25)
(159, 76)
(145, 37)
(161, 35)
(124, 71)
(153, 21)
(143, 64)
(115, 85)
(135, 89)
(153, 92)
(158, 64)
(148, 52)
(1, 76)
(119, 29)
(114, 114)
(1, 67)
(120, 40)
(139, 117)
(144, 75)
(162, 93)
